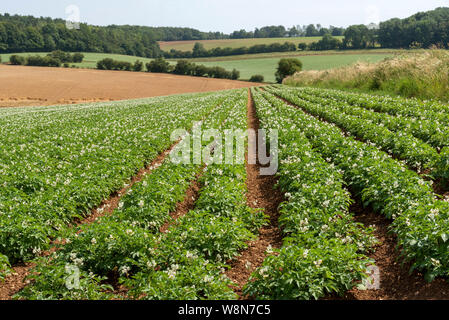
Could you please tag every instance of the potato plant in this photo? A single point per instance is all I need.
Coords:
(388, 187)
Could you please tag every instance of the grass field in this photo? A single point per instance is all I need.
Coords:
(267, 66)
(232, 43)
(248, 65)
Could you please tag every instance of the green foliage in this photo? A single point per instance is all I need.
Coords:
(110, 64)
(53, 59)
(183, 67)
(329, 267)
(326, 43)
(158, 65)
(17, 60)
(384, 184)
(200, 52)
(77, 57)
(442, 167)
(235, 74)
(61, 56)
(302, 46)
(200, 70)
(287, 67)
(29, 34)
(405, 146)
(186, 262)
(47, 61)
(423, 30)
(359, 37)
(257, 78)
(4, 267)
(47, 184)
(49, 282)
(324, 249)
(138, 66)
(422, 74)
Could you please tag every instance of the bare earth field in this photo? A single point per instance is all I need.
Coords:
(35, 86)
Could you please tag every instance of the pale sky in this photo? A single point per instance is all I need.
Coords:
(225, 16)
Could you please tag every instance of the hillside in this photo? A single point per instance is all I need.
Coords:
(27, 33)
(30, 34)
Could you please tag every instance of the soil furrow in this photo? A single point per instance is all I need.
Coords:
(261, 194)
(396, 283)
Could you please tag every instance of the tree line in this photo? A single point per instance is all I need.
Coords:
(310, 30)
(54, 59)
(421, 30)
(199, 51)
(30, 34)
(160, 65)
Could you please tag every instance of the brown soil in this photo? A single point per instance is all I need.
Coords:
(32, 86)
(15, 282)
(395, 281)
(261, 194)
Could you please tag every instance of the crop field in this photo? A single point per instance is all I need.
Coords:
(93, 207)
(233, 43)
(37, 86)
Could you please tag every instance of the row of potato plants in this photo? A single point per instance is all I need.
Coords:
(195, 251)
(324, 250)
(427, 121)
(430, 131)
(388, 187)
(187, 261)
(430, 110)
(416, 153)
(57, 164)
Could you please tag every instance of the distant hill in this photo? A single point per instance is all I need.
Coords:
(30, 34)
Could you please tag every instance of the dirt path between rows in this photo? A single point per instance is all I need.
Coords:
(261, 194)
(38, 86)
(396, 283)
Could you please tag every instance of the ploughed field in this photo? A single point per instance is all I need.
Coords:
(35, 86)
(92, 207)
